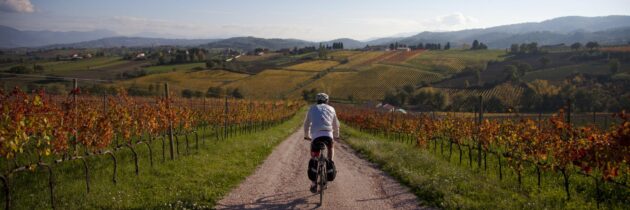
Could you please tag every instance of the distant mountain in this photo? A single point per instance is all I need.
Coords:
(606, 30)
(383, 41)
(11, 38)
(134, 42)
(347, 43)
(250, 43)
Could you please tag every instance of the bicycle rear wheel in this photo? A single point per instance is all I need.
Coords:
(322, 182)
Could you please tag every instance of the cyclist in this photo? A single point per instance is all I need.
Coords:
(321, 125)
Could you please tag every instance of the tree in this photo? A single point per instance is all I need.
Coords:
(532, 48)
(447, 46)
(38, 68)
(544, 61)
(478, 77)
(21, 69)
(482, 46)
(522, 48)
(209, 64)
(614, 65)
(576, 46)
(322, 52)
(493, 104)
(523, 67)
(408, 89)
(309, 95)
(186, 93)
(215, 92)
(592, 45)
(431, 99)
(512, 72)
(584, 100)
(236, 93)
(392, 99)
(475, 45)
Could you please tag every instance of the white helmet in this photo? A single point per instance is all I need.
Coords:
(322, 97)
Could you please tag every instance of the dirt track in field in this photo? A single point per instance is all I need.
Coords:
(281, 183)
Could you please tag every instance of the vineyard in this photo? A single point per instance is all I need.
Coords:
(315, 66)
(506, 92)
(549, 148)
(402, 56)
(38, 132)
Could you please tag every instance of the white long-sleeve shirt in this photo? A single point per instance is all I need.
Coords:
(321, 120)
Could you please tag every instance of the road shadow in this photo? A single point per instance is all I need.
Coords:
(289, 200)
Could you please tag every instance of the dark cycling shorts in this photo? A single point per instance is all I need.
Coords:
(316, 144)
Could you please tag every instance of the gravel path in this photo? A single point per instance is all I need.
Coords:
(281, 183)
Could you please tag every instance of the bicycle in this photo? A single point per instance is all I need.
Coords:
(322, 180)
(321, 175)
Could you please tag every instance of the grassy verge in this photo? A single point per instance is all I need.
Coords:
(196, 181)
(443, 183)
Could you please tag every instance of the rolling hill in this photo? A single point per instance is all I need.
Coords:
(605, 30)
(12, 38)
(133, 42)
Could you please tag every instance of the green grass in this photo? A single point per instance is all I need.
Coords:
(441, 184)
(85, 64)
(197, 180)
(168, 68)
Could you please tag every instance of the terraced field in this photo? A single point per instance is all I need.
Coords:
(271, 83)
(368, 84)
(318, 65)
(178, 80)
(403, 56)
(452, 61)
(362, 59)
(341, 54)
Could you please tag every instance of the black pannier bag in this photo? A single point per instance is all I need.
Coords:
(312, 169)
(331, 170)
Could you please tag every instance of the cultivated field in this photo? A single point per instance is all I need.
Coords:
(318, 65)
(272, 83)
(370, 83)
(193, 80)
(452, 61)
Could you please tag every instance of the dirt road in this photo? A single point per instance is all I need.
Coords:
(281, 183)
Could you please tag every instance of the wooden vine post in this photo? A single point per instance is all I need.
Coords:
(225, 125)
(478, 131)
(170, 121)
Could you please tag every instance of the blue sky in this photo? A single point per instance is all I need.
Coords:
(314, 20)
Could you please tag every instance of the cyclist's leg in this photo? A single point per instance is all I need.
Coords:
(331, 150)
(330, 146)
(315, 150)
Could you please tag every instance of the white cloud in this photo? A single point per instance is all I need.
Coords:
(22, 6)
(401, 26)
(455, 20)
